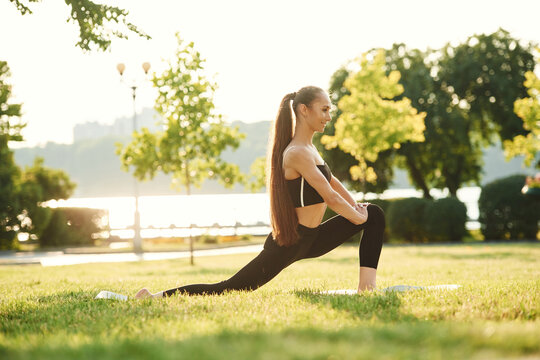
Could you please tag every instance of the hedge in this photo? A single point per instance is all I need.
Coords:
(71, 226)
(506, 213)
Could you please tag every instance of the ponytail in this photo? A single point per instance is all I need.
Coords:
(283, 216)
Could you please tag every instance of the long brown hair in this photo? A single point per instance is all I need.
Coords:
(283, 217)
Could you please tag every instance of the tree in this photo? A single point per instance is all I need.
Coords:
(9, 172)
(448, 157)
(98, 23)
(39, 184)
(340, 161)
(527, 109)
(193, 136)
(22, 193)
(486, 74)
(371, 122)
(10, 114)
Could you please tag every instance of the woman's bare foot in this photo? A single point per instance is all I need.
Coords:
(368, 287)
(368, 279)
(143, 294)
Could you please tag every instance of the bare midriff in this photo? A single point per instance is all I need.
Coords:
(311, 215)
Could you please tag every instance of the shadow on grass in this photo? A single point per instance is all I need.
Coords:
(421, 340)
(385, 306)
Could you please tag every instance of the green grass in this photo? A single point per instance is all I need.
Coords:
(49, 313)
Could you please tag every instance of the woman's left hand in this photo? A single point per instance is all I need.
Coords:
(359, 206)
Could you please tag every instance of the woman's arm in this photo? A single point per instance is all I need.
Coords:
(306, 166)
(341, 190)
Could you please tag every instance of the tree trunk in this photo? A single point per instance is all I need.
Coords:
(417, 177)
(191, 259)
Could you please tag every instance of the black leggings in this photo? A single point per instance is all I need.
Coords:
(313, 242)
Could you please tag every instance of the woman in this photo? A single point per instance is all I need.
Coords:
(301, 185)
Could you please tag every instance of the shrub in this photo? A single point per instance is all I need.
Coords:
(405, 219)
(445, 219)
(506, 213)
(71, 226)
(208, 239)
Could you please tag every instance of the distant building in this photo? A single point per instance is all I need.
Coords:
(122, 126)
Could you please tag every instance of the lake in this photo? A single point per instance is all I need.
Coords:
(165, 216)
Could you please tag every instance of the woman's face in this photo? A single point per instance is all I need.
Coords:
(317, 114)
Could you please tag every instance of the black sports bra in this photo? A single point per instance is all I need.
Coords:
(303, 194)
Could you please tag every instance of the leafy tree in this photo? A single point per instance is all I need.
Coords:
(98, 23)
(527, 109)
(10, 114)
(9, 202)
(340, 161)
(39, 184)
(9, 172)
(448, 157)
(193, 136)
(486, 75)
(371, 122)
(22, 193)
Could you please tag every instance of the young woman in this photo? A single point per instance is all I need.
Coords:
(301, 185)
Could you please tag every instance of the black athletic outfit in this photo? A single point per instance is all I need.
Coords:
(313, 242)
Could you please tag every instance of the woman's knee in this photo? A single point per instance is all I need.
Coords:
(376, 214)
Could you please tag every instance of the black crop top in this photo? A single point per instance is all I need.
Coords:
(303, 194)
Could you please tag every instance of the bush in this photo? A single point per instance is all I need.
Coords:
(445, 219)
(207, 239)
(71, 226)
(405, 219)
(506, 213)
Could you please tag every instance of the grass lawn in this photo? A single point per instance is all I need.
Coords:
(49, 313)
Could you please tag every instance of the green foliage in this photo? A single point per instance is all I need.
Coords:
(193, 137)
(485, 74)
(527, 109)
(40, 184)
(445, 219)
(9, 201)
(10, 206)
(257, 174)
(71, 226)
(98, 23)
(506, 213)
(8, 111)
(405, 219)
(425, 220)
(448, 157)
(339, 161)
(371, 121)
(22, 193)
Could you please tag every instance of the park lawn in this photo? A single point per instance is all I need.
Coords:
(50, 313)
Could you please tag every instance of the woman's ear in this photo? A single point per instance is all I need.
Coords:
(303, 109)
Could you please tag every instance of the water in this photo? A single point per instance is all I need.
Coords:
(162, 216)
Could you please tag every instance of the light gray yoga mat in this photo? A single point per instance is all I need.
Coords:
(111, 295)
(395, 288)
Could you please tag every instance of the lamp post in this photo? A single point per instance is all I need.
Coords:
(137, 239)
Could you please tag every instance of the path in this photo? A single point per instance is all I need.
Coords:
(58, 258)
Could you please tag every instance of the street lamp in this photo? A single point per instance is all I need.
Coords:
(137, 240)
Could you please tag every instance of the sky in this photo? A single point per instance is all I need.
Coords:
(256, 51)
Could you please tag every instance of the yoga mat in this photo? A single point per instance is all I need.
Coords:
(110, 295)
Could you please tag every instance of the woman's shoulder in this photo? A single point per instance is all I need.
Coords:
(296, 153)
